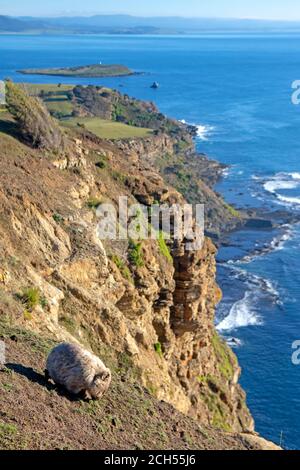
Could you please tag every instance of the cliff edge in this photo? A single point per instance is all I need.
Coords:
(147, 308)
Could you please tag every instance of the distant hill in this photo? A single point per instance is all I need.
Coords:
(118, 24)
(9, 24)
(169, 23)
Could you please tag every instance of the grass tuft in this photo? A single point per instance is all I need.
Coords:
(30, 297)
(223, 354)
(235, 213)
(135, 254)
(158, 349)
(93, 203)
(163, 247)
(121, 265)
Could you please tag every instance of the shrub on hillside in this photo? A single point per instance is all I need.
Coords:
(33, 119)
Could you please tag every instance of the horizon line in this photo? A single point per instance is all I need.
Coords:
(92, 15)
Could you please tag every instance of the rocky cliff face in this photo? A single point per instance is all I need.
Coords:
(192, 174)
(157, 314)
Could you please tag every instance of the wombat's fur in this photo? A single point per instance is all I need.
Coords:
(79, 371)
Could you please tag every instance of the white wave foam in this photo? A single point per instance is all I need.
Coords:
(280, 182)
(275, 185)
(234, 342)
(241, 314)
(232, 171)
(264, 287)
(289, 200)
(284, 175)
(244, 313)
(203, 131)
(277, 244)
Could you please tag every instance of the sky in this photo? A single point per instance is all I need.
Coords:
(264, 9)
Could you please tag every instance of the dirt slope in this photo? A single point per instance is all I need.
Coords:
(127, 418)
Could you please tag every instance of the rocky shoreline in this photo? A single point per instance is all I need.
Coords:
(212, 173)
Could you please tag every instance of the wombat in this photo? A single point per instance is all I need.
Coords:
(78, 370)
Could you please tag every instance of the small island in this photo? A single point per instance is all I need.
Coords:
(94, 71)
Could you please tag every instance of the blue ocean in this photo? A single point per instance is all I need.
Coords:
(237, 90)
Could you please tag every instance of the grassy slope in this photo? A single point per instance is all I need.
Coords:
(108, 129)
(58, 102)
(60, 105)
(105, 129)
(35, 88)
(128, 417)
(100, 127)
